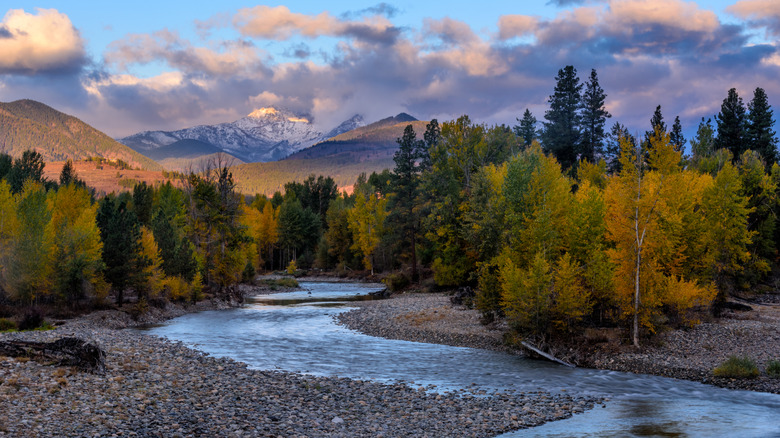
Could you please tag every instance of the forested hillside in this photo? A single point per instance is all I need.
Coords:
(30, 125)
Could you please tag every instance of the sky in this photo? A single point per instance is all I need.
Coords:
(126, 67)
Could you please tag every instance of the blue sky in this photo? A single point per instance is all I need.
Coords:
(131, 66)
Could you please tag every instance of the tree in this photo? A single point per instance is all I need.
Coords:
(404, 214)
(526, 130)
(612, 151)
(143, 196)
(732, 125)
(28, 167)
(633, 201)
(120, 232)
(28, 273)
(676, 136)
(656, 123)
(78, 249)
(759, 132)
(68, 175)
(367, 223)
(561, 134)
(593, 118)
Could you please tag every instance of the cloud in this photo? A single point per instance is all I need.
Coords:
(383, 8)
(44, 42)
(764, 13)
(668, 52)
(562, 3)
(231, 57)
(511, 26)
(279, 23)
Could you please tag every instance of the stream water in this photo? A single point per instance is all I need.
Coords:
(296, 332)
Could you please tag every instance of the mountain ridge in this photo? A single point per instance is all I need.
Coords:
(266, 134)
(31, 125)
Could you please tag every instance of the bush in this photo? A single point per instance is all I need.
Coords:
(31, 320)
(396, 282)
(6, 325)
(737, 367)
(773, 369)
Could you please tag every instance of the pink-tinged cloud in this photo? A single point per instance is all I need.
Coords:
(764, 13)
(279, 23)
(512, 26)
(43, 42)
(230, 58)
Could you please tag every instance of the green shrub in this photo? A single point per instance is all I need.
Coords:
(7, 325)
(737, 367)
(396, 282)
(773, 369)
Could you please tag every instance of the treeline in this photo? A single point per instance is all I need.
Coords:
(569, 226)
(61, 246)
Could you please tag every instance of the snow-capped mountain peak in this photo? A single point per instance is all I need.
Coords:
(265, 134)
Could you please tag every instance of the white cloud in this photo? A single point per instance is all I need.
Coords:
(42, 42)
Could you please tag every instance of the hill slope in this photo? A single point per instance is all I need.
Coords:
(376, 139)
(27, 124)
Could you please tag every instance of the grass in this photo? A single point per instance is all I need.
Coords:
(773, 369)
(737, 367)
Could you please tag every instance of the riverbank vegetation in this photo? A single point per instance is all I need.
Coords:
(558, 228)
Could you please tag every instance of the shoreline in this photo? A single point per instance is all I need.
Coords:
(682, 354)
(157, 387)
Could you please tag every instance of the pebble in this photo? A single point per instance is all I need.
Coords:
(156, 387)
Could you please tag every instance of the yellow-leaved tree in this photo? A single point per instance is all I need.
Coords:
(367, 223)
(30, 266)
(78, 249)
(653, 223)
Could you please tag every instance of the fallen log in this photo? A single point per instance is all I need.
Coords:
(547, 356)
(63, 351)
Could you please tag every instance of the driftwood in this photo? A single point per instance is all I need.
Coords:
(63, 351)
(547, 356)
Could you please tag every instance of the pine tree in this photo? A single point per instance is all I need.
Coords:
(759, 132)
(120, 232)
(526, 130)
(561, 134)
(404, 215)
(676, 136)
(28, 167)
(656, 122)
(594, 117)
(731, 125)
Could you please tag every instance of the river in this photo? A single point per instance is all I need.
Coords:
(296, 332)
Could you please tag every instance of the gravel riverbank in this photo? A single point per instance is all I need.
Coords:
(153, 387)
(683, 354)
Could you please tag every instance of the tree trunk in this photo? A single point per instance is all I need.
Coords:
(64, 351)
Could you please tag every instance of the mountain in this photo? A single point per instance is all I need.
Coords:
(377, 140)
(368, 148)
(27, 124)
(266, 134)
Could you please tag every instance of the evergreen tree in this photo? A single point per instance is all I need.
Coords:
(656, 123)
(120, 232)
(612, 151)
(676, 136)
(760, 135)
(404, 217)
(561, 134)
(526, 130)
(28, 167)
(594, 117)
(143, 195)
(731, 125)
(6, 162)
(431, 138)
